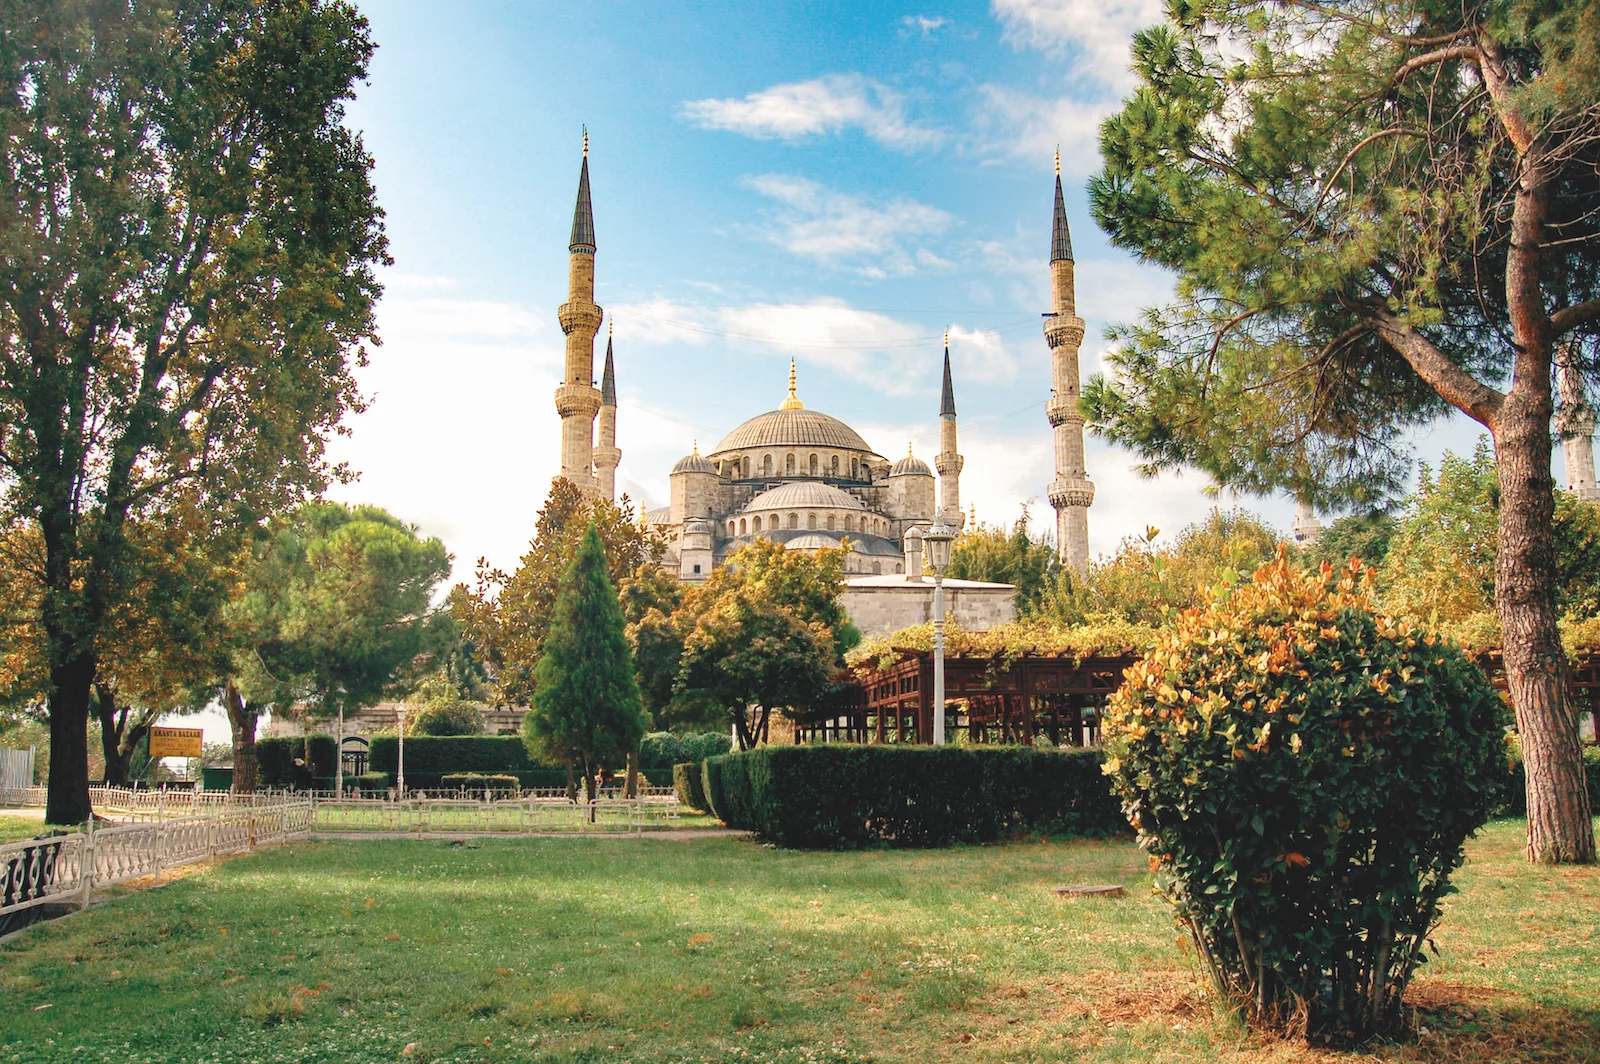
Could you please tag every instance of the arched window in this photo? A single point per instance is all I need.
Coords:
(877, 568)
(794, 520)
(833, 465)
(741, 526)
(830, 521)
(766, 465)
(788, 466)
(811, 520)
(814, 466)
(757, 524)
(776, 523)
(855, 469)
(897, 568)
(849, 523)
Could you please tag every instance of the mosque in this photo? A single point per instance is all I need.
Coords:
(801, 478)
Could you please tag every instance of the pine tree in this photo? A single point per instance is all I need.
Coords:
(586, 708)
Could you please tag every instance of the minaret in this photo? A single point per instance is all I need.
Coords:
(949, 461)
(606, 455)
(577, 399)
(1306, 527)
(1576, 423)
(1071, 493)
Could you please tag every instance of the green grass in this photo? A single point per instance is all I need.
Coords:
(17, 828)
(721, 950)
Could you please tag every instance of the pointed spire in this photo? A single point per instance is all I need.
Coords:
(793, 401)
(696, 451)
(947, 401)
(608, 379)
(583, 213)
(1061, 236)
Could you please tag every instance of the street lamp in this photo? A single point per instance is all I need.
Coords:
(936, 541)
(400, 764)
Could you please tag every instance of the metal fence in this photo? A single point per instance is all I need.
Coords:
(16, 775)
(64, 868)
(532, 812)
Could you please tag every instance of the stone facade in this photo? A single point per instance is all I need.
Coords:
(1575, 424)
(879, 605)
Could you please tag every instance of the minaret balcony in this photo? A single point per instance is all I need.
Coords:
(1063, 410)
(1063, 331)
(949, 464)
(577, 400)
(1066, 492)
(580, 315)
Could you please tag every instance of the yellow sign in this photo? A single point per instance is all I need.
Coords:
(175, 742)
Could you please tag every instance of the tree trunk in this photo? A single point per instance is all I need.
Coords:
(1560, 830)
(242, 720)
(67, 799)
(589, 787)
(741, 727)
(105, 709)
(630, 788)
(572, 783)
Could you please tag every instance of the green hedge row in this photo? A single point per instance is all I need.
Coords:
(689, 780)
(477, 782)
(435, 755)
(663, 750)
(276, 759)
(837, 796)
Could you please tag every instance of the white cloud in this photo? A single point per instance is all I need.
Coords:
(1098, 32)
(460, 437)
(840, 229)
(894, 356)
(1023, 125)
(828, 104)
(922, 24)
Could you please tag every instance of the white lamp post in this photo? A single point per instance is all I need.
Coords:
(400, 761)
(936, 541)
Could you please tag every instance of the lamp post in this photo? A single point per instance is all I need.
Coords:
(400, 761)
(936, 541)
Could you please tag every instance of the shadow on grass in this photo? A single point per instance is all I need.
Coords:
(1464, 1024)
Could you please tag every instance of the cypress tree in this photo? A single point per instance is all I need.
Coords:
(586, 706)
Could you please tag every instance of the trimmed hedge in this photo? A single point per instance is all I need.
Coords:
(370, 783)
(477, 783)
(432, 756)
(687, 779)
(276, 760)
(697, 746)
(838, 796)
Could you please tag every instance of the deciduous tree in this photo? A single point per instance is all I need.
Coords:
(1377, 211)
(186, 280)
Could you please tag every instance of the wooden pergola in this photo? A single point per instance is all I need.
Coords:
(1013, 699)
(1007, 700)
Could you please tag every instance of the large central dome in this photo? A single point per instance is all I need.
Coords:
(792, 428)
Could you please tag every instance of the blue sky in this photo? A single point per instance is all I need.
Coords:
(833, 182)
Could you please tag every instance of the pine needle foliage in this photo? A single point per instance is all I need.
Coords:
(586, 708)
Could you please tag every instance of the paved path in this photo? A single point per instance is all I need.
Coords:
(31, 814)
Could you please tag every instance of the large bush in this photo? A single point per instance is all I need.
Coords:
(436, 755)
(295, 761)
(837, 796)
(687, 780)
(446, 717)
(661, 749)
(697, 746)
(1303, 774)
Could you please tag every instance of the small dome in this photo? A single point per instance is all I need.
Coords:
(810, 541)
(698, 524)
(694, 463)
(796, 494)
(910, 465)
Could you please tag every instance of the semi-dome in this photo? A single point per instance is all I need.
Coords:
(801, 494)
(793, 428)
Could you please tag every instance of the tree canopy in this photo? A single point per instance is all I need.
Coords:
(1377, 210)
(186, 284)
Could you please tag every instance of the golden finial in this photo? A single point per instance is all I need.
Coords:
(1058, 159)
(793, 401)
(908, 449)
(947, 337)
(973, 518)
(586, 144)
(611, 327)
(696, 450)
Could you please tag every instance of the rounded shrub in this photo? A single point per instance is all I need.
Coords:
(446, 717)
(1303, 774)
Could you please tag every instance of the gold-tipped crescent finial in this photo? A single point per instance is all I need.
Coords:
(908, 449)
(947, 337)
(696, 449)
(611, 327)
(792, 401)
(1058, 160)
(586, 145)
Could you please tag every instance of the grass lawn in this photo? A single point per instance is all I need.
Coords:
(712, 950)
(17, 828)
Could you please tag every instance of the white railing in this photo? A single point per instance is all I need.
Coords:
(533, 813)
(65, 868)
